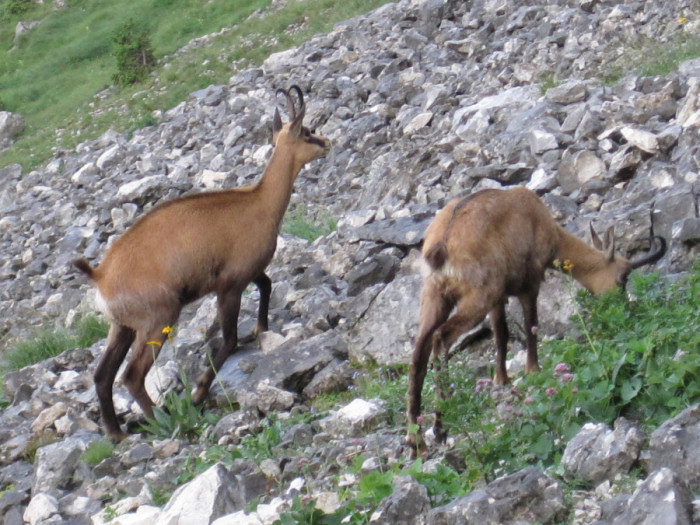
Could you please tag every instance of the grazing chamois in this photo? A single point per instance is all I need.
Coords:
(218, 241)
(483, 248)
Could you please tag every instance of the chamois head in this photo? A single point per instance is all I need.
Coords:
(303, 145)
(615, 270)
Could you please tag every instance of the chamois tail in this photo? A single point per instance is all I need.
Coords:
(84, 266)
(436, 255)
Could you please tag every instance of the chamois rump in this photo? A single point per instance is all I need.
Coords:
(483, 248)
(218, 241)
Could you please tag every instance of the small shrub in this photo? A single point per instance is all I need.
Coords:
(134, 54)
(97, 451)
(179, 417)
(18, 7)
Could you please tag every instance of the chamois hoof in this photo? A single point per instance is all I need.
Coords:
(117, 437)
(200, 394)
(440, 435)
(416, 445)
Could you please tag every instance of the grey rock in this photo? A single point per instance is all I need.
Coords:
(384, 332)
(11, 125)
(355, 419)
(662, 498)
(567, 93)
(673, 446)
(212, 494)
(55, 465)
(597, 453)
(527, 496)
(407, 505)
(141, 190)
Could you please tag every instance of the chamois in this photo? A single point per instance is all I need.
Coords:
(483, 248)
(218, 241)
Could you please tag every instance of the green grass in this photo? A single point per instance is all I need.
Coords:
(98, 451)
(649, 57)
(300, 224)
(52, 76)
(50, 342)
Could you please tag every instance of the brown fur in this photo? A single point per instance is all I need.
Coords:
(484, 248)
(216, 241)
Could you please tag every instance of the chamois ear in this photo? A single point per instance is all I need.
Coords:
(609, 244)
(296, 125)
(276, 124)
(597, 243)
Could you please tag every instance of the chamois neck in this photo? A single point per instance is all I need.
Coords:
(277, 182)
(584, 259)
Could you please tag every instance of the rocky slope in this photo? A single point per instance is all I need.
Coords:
(422, 100)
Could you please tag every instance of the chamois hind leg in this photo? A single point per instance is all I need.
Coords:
(433, 312)
(471, 309)
(264, 285)
(229, 308)
(529, 305)
(118, 344)
(497, 316)
(146, 349)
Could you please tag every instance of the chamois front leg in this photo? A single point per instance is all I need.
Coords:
(433, 313)
(529, 305)
(229, 308)
(470, 310)
(264, 285)
(500, 330)
(146, 349)
(118, 344)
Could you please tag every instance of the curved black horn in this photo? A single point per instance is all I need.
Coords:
(290, 103)
(653, 255)
(300, 95)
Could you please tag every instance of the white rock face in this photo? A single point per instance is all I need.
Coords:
(202, 500)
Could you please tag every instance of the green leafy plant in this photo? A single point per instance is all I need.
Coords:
(259, 446)
(305, 513)
(109, 513)
(98, 451)
(6, 489)
(179, 417)
(133, 52)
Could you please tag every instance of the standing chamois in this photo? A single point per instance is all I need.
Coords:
(217, 241)
(483, 248)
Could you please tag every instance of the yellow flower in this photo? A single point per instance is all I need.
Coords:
(156, 343)
(568, 265)
(556, 263)
(168, 330)
(682, 20)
